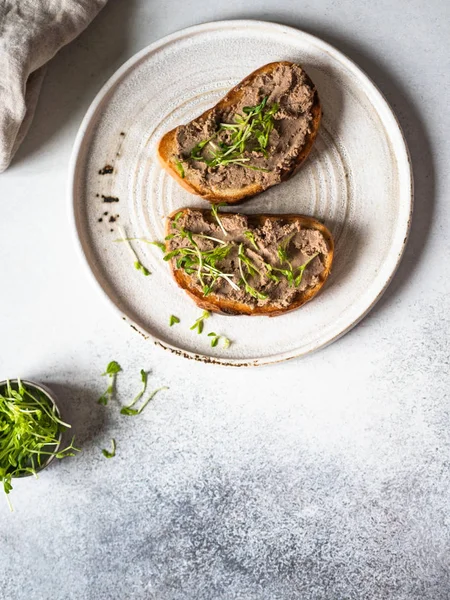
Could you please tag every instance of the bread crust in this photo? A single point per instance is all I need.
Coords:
(226, 306)
(166, 150)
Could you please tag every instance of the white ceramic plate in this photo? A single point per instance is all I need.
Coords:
(357, 179)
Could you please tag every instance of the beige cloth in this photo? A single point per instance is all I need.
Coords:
(31, 33)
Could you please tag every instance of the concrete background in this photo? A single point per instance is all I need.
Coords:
(322, 478)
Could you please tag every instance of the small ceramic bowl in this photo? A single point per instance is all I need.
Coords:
(52, 398)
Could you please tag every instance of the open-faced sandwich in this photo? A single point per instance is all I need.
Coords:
(255, 137)
(248, 264)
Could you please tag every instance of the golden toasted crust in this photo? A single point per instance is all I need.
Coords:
(166, 151)
(225, 306)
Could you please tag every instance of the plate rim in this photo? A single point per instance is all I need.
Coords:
(112, 82)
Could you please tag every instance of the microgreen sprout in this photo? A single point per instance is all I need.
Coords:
(152, 395)
(201, 263)
(284, 258)
(111, 370)
(282, 249)
(249, 131)
(131, 412)
(198, 325)
(173, 320)
(288, 273)
(302, 268)
(112, 453)
(137, 263)
(215, 338)
(125, 410)
(282, 254)
(251, 237)
(209, 237)
(160, 245)
(215, 214)
(30, 429)
(251, 269)
(196, 151)
(270, 274)
(180, 168)
(68, 450)
(175, 219)
(140, 267)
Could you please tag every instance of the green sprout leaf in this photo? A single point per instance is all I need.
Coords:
(112, 453)
(284, 259)
(215, 339)
(126, 410)
(103, 399)
(180, 168)
(111, 371)
(173, 320)
(302, 268)
(251, 237)
(198, 325)
(176, 218)
(270, 274)
(112, 368)
(282, 254)
(140, 267)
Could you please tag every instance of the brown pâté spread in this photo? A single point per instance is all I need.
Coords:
(268, 261)
(287, 93)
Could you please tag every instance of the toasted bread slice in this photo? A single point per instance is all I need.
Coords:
(262, 228)
(280, 84)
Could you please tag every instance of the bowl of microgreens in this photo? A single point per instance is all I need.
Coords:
(31, 431)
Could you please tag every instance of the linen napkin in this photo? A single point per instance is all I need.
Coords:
(31, 33)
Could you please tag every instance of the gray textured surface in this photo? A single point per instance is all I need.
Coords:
(326, 478)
